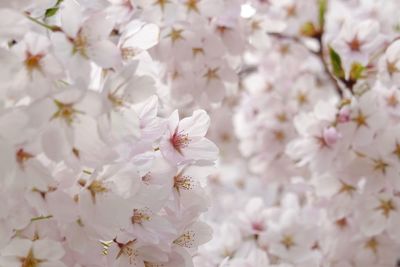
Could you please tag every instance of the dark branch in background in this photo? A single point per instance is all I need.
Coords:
(316, 32)
(325, 64)
(294, 39)
(247, 70)
(331, 62)
(319, 54)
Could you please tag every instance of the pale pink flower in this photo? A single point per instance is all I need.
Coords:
(377, 213)
(185, 141)
(41, 253)
(32, 67)
(357, 41)
(85, 38)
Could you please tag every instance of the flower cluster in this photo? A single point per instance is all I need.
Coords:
(98, 168)
(316, 182)
(94, 172)
(205, 38)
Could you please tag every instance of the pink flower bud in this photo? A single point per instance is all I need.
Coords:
(331, 136)
(344, 114)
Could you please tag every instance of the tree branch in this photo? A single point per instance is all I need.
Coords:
(319, 54)
(325, 64)
(53, 28)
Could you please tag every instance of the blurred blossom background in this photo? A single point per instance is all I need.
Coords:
(204, 133)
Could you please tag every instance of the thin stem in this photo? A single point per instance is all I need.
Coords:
(41, 218)
(247, 70)
(319, 54)
(53, 28)
(294, 39)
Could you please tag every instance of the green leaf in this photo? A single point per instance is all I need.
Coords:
(50, 12)
(322, 7)
(356, 71)
(336, 63)
(53, 10)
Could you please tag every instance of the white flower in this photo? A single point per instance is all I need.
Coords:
(40, 253)
(378, 213)
(185, 141)
(357, 41)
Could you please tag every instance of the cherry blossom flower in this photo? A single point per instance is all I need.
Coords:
(357, 42)
(37, 253)
(185, 141)
(32, 66)
(82, 39)
(98, 169)
(388, 64)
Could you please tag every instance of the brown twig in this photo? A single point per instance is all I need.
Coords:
(247, 70)
(294, 39)
(319, 54)
(325, 64)
(53, 28)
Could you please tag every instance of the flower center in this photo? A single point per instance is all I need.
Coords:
(302, 98)
(30, 260)
(80, 44)
(360, 120)
(128, 52)
(396, 151)
(386, 206)
(191, 5)
(175, 35)
(180, 141)
(197, 50)
(116, 101)
(355, 45)
(183, 182)
(222, 29)
(65, 112)
(32, 62)
(287, 241)
(22, 156)
(291, 11)
(96, 187)
(162, 3)
(186, 240)
(342, 223)
(391, 67)
(279, 135)
(139, 216)
(380, 165)
(392, 101)
(128, 251)
(211, 74)
(372, 244)
(346, 188)
(281, 117)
